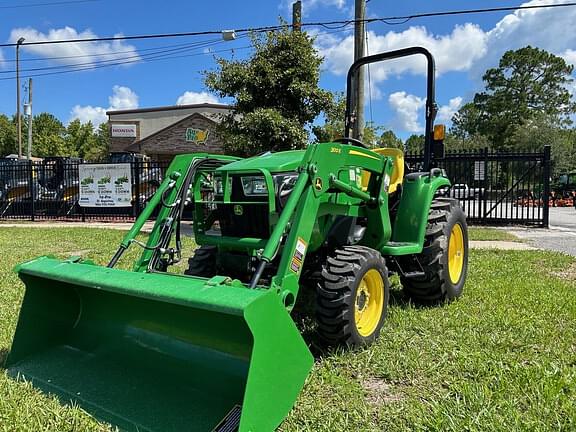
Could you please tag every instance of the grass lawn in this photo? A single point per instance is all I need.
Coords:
(502, 358)
(483, 233)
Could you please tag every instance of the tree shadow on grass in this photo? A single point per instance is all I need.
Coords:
(3, 357)
(303, 315)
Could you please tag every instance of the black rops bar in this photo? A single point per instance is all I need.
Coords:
(431, 107)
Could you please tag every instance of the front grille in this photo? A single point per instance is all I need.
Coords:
(250, 221)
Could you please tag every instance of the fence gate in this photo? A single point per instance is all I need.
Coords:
(498, 188)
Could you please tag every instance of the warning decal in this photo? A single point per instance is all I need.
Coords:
(298, 257)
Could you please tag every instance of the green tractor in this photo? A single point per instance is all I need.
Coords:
(216, 349)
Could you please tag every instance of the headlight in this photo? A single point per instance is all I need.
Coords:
(254, 185)
(284, 183)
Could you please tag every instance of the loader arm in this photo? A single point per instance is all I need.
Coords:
(324, 187)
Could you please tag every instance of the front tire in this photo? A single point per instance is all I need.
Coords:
(444, 258)
(352, 297)
(203, 263)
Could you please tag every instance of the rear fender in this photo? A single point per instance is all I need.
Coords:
(418, 191)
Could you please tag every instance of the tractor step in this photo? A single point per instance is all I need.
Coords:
(414, 275)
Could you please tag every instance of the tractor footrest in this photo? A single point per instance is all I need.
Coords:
(401, 248)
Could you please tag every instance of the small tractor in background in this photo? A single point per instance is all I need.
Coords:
(58, 185)
(564, 190)
(17, 184)
(215, 348)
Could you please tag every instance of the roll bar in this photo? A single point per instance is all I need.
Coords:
(431, 107)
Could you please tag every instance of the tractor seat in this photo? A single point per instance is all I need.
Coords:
(397, 156)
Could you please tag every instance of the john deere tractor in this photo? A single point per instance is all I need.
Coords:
(215, 348)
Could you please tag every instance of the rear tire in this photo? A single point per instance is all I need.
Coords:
(352, 297)
(203, 263)
(444, 258)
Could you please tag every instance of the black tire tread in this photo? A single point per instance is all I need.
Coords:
(203, 262)
(335, 293)
(431, 288)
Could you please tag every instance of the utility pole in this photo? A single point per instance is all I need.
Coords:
(29, 112)
(18, 117)
(297, 16)
(359, 42)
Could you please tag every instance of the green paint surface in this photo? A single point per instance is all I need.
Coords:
(157, 352)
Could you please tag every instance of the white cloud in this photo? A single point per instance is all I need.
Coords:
(121, 98)
(466, 48)
(308, 5)
(407, 107)
(191, 98)
(82, 54)
(453, 52)
(88, 113)
(543, 28)
(1, 59)
(569, 56)
(446, 112)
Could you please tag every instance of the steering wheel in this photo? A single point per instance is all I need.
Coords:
(352, 141)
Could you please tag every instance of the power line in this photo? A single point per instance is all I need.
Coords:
(158, 55)
(136, 56)
(111, 53)
(119, 63)
(47, 4)
(325, 24)
(205, 42)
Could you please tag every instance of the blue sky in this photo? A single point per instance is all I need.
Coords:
(168, 71)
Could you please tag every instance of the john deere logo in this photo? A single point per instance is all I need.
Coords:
(238, 210)
(197, 136)
(318, 184)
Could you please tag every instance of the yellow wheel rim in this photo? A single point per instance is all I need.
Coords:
(456, 253)
(369, 302)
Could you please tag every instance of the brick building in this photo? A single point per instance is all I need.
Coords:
(164, 132)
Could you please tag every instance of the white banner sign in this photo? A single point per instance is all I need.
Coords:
(123, 130)
(479, 170)
(105, 185)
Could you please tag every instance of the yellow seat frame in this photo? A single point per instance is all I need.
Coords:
(397, 176)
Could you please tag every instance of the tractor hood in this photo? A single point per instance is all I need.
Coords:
(272, 162)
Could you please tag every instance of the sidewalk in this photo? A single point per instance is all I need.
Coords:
(124, 226)
(500, 245)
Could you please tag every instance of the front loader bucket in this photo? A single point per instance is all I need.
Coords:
(157, 352)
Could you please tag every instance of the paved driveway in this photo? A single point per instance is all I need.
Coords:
(560, 237)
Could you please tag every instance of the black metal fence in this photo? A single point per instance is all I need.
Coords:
(498, 188)
(40, 190)
(493, 188)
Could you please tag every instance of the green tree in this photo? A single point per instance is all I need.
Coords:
(454, 142)
(48, 136)
(466, 121)
(532, 135)
(528, 83)
(333, 127)
(414, 144)
(80, 138)
(100, 148)
(389, 139)
(8, 139)
(276, 93)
